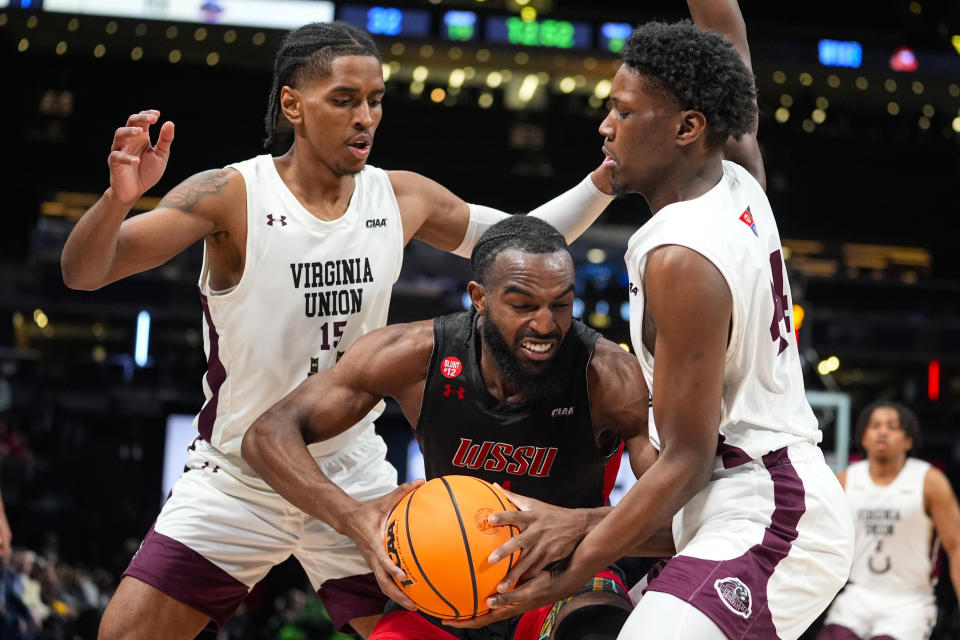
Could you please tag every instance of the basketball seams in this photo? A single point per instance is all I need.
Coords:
(496, 494)
(466, 544)
(423, 573)
(435, 499)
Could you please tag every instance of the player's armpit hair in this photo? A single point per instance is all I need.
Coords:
(306, 54)
(699, 70)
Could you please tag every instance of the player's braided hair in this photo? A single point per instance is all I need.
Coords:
(699, 70)
(908, 422)
(306, 54)
(528, 234)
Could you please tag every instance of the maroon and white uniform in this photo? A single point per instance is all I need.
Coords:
(309, 289)
(890, 592)
(763, 548)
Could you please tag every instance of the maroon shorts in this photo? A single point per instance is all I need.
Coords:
(186, 576)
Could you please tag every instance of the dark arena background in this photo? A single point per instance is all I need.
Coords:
(499, 100)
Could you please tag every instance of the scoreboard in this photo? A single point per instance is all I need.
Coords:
(469, 26)
(456, 25)
(558, 34)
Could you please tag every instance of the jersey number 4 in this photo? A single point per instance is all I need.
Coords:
(781, 302)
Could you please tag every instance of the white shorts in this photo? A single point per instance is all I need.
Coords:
(762, 549)
(217, 536)
(870, 612)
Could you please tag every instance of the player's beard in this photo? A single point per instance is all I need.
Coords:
(531, 378)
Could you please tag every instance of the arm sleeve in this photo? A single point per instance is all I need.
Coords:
(571, 213)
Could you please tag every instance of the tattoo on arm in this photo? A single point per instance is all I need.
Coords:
(187, 195)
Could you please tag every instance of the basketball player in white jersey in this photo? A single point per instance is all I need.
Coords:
(902, 508)
(763, 537)
(300, 254)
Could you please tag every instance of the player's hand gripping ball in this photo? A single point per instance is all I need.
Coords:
(439, 535)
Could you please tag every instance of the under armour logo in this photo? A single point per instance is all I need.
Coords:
(271, 220)
(447, 391)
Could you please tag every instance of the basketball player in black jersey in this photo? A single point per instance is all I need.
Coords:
(514, 391)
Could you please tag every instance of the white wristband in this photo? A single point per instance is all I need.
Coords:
(481, 219)
(573, 212)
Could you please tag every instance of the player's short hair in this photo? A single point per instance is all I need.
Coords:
(528, 234)
(306, 54)
(699, 70)
(908, 422)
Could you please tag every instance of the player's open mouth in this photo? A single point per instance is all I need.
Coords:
(361, 148)
(536, 349)
(609, 161)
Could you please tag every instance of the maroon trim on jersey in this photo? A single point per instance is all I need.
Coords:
(186, 576)
(718, 588)
(352, 597)
(216, 374)
(610, 473)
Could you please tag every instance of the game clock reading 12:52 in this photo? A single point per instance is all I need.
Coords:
(559, 34)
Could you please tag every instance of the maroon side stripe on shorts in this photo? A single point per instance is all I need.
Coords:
(216, 374)
(712, 585)
(185, 575)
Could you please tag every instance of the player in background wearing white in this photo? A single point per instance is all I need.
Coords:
(901, 506)
(763, 537)
(300, 254)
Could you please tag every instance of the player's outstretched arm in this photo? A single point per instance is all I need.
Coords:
(941, 503)
(103, 247)
(386, 362)
(724, 17)
(433, 214)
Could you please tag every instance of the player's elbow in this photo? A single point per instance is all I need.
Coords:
(693, 464)
(254, 441)
(74, 276)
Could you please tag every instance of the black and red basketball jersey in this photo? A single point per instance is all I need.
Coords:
(545, 449)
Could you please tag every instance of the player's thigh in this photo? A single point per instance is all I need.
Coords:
(138, 611)
(906, 616)
(836, 632)
(666, 617)
(334, 564)
(214, 539)
(851, 612)
(241, 529)
(805, 582)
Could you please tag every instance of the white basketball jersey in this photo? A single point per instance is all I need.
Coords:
(896, 545)
(764, 407)
(310, 288)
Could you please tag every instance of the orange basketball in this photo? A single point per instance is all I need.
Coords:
(439, 535)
